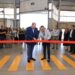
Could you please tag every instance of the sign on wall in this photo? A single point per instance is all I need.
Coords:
(33, 5)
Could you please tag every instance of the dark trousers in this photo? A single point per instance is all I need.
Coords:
(71, 46)
(46, 46)
(1, 44)
(30, 48)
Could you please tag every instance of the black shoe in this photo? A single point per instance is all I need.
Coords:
(43, 58)
(28, 61)
(33, 59)
(48, 60)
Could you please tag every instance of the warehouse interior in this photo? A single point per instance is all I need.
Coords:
(14, 14)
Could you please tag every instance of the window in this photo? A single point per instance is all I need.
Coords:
(9, 16)
(17, 16)
(9, 11)
(55, 11)
(50, 6)
(67, 13)
(55, 17)
(67, 19)
(40, 18)
(1, 16)
(17, 11)
(67, 16)
(1, 11)
(50, 14)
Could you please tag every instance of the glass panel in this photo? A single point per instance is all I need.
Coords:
(55, 17)
(17, 16)
(1, 11)
(50, 6)
(55, 11)
(67, 19)
(9, 10)
(50, 14)
(1, 16)
(9, 16)
(67, 13)
(17, 10)
(39, 18)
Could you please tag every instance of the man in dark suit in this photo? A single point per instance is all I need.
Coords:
(72, 38)
(31, 34)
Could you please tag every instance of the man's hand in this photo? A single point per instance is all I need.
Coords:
(34, 38)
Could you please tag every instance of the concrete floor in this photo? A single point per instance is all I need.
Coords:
(61, 62)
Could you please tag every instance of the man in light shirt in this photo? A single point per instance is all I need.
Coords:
(55, 36)
(44, 34)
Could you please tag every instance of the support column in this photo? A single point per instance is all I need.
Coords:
(15, 25)
(59, 9)
(52, 13)
(4, 17)
(48, 12)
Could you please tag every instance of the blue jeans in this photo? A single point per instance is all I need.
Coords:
(30, 48)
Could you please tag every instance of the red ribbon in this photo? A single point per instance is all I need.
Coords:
(36, 41)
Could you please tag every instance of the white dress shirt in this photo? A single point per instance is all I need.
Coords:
(45, 35)
(71, 33)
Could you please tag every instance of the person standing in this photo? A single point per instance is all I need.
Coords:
(72, 38)
(60, 35)
(45, 34)
(55, 36)
(66, 38)
(31, 33)
(2, 35)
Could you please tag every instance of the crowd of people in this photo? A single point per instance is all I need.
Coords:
(32, 33)
(69, 35)
(7, 33)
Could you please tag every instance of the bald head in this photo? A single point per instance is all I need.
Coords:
(33, 25)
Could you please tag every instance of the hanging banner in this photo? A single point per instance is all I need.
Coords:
(33, 5)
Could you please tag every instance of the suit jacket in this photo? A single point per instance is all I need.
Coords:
(66, 36)
(30, 34)
(60, 35)
(73, 35)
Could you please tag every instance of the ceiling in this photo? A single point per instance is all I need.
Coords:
(68, 5)
(17, 1)
(9, 1)
(65, 4)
